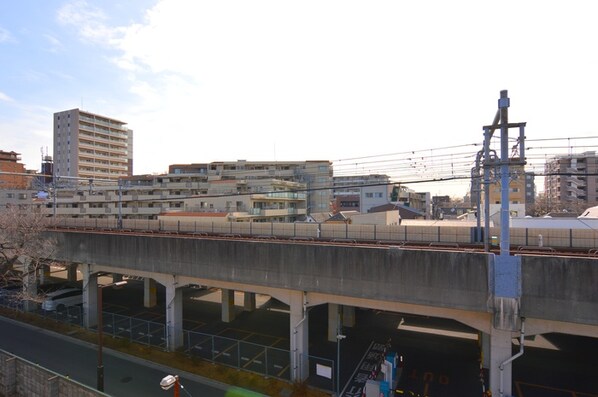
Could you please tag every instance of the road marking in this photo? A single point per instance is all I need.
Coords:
(255, 360)
(279, 374)
(571, 393)
(357, 368)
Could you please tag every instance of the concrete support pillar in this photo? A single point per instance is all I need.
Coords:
(333, 321)
(90, 297)
(501, 349)
(348, 316)
(299, 337)
(29, 284)
(117, 277)
(174, 317)
(228, 305)
(150, 292)
(249, 302)
(71, 272)
(485, 347)
(44, 274)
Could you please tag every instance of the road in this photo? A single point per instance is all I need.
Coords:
(124, 376)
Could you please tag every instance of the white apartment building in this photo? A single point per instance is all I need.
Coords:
(372, 190)
(87, 145)
(571, 179)
(148, 196)
(315, 175)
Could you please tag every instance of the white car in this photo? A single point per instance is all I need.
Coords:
(63, 298)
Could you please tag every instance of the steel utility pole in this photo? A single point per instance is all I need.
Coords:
(504, 269)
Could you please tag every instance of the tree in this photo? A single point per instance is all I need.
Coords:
(543, 206)
(23, 246)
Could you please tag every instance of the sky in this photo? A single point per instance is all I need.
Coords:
(366, 85)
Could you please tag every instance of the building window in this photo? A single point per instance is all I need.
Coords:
(369, 195)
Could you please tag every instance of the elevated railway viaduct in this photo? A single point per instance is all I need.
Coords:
(554, 293)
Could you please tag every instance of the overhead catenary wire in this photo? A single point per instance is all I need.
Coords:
(421, 166)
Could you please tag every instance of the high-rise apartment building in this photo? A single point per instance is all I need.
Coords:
(90, 146)
(571, 179)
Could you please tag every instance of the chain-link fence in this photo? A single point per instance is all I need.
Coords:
(265, 360)
(248, 356)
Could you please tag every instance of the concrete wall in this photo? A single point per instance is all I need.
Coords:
(19, 377)
(444, 279)
(560, 289)
(553, 288)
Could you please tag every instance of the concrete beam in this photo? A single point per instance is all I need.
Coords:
(30, 280)
(150, 292)
(476, 320)
(299, 322)
(90, 296)
(501, 349)
(348, 316)
(174, 316)
(44, 274)
(445, 279)
(534, 326)
(71, 272)
(333, 321)
(249, 301)
(228, 305)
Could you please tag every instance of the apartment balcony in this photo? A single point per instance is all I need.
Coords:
(576, 192)
(578, 180)
(113, 127)
(89, 166)
(276, 212)
(185, 185)
(289, 196)
(110, 143)
(96, 150)
(141, 211)
(106, 136)
(68, 211)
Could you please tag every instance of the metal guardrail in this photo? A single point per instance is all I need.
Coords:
(558, 238)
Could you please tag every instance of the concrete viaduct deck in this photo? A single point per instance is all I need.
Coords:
(555, 294)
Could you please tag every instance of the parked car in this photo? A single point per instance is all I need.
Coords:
(62, 298)
(10, 289)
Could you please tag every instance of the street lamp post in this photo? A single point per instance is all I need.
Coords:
(100, 371)
(170, 381)
(339, 338)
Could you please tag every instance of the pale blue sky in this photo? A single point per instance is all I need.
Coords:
(203, 81)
